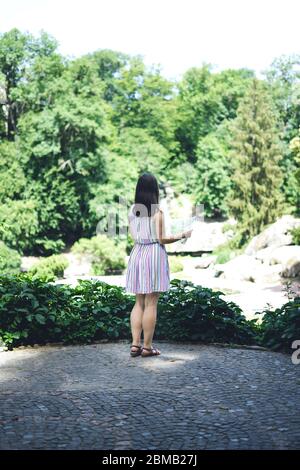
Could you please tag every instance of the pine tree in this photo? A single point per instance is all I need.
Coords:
(256, 198)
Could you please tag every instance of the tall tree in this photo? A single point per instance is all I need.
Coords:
(18, 51)
(205, 99)
(256, 152)
(284, 79)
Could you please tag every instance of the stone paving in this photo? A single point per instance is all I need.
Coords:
(190, 397)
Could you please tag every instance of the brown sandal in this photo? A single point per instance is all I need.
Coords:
(153, 352)
(135, 353)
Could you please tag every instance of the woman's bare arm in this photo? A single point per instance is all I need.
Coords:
(161, 234)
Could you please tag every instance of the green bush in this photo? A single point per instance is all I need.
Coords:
(10, 260)
(18, 224)
(33, 311)
(176, 264)
(50, 268)
(295, 232)
(107, 256)
(190, 312)
(280, 327)
(227, 250)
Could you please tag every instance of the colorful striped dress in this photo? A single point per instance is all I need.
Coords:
(148, 267)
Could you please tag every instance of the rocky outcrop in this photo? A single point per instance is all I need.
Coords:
(242, 267)
(206, 236)
(205, 261)
(275, 235)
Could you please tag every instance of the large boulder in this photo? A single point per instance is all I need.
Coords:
(242, 268)
(291, 268)
(274, 236)
(283, 254)
(289, 258)
(206, 236)
(264, 254)
(205, 261)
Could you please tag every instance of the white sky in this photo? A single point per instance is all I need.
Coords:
(177, 34)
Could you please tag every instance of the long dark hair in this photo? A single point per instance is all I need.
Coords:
(146, 193)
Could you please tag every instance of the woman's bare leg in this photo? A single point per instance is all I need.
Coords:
(149, 318)
(136, 319)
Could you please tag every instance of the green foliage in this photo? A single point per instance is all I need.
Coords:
(295, 232)
(205, 100)
(10, 260)
(227, 250)
(18, 224)
(176, 264)
(194, 313)
(57, 207)
(284, 79)
(108, 256)
(280, 327)
(223, 254)
(294, 147)
(32, 311)
(213, 171)
(18, 51)
(49, 269)
(143, 98)
(76, 133)
(12, 177)
(256, 199)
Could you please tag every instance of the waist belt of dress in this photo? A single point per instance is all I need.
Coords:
(145, 243)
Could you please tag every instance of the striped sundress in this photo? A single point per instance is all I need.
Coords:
(148, 266)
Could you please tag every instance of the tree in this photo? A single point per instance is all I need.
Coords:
(205, 99)
(18, 52)
(256, 153)
(295, 149)
(213, 169)
(133, 152)
(284, 79)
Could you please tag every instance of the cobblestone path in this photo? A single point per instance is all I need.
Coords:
(191, 397)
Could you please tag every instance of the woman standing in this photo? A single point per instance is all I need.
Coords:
(148, 267)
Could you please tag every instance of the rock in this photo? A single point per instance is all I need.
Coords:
(242, 267)
(264, 254)
(218, 270)
(268, 274)
(291, 268)
(206, 236)
(275, 235)
(289, 258)
(283, 254)
(205, 261)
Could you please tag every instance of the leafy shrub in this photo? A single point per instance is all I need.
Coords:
(227, 250)
(10, 260)
(50, 268)
(295, 232)
(107, 256)
(280, 327)
(191, 312)
(176, 264)
(33, 311)
(18, 224)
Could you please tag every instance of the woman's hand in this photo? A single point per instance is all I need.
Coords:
(187, 234)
